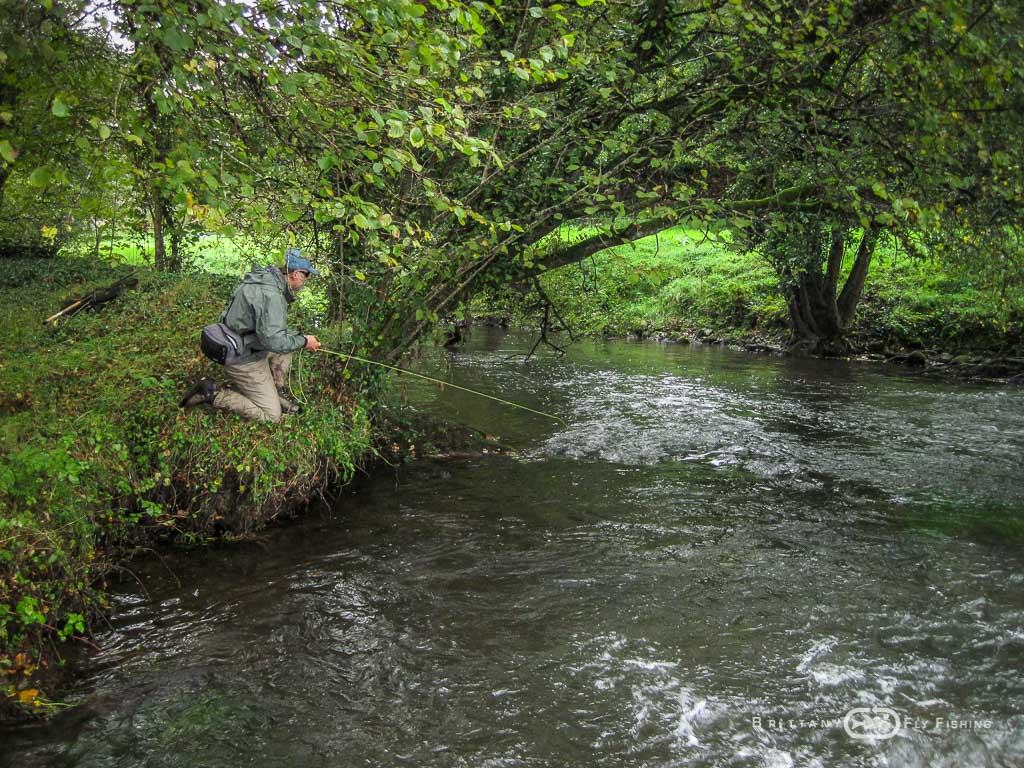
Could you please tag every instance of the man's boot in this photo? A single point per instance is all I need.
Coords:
(203, 391)
(287, 406)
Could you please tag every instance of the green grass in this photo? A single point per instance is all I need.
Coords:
(211, 253)
(96, 457)
(920, 303)
(675, 280)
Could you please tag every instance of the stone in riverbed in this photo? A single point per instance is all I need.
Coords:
(917, 359)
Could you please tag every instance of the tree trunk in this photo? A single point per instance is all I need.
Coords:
(813, 314)
(174, 264)
(854, 286)
(819, 319)
(157, 214)
(835, 258)
(336, 298)
(341, 280)
(5, 173)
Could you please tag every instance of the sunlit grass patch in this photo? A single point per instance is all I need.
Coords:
(205, 253)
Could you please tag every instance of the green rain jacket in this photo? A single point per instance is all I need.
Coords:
(258, 312)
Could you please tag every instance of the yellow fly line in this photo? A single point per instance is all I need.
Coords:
(443, 383)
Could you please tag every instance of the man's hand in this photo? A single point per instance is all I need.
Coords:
(311, 343)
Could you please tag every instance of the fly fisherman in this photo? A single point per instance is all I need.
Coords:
(258, 313)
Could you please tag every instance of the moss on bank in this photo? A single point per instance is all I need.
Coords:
(96, 458)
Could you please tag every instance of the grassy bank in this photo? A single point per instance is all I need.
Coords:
(681, 285)
(97, 459)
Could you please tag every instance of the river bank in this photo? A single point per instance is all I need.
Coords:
(97, 460)
(991, 368)
(938, 319)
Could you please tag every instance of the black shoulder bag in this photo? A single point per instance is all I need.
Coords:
(220, 343)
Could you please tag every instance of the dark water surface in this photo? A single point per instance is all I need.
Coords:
(716, 555)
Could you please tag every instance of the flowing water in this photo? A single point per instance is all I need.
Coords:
(722, 560)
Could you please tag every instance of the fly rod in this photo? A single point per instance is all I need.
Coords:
(439, 381)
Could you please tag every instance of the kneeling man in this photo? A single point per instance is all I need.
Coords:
(258, 312)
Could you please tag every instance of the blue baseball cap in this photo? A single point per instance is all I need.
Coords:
(295, 260)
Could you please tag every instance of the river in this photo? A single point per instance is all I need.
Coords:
(720, 560)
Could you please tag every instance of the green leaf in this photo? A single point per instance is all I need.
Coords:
(60, 107)
(416, 137)
(175, 40)
(7, 151)
(104, 132)
(40, 177)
